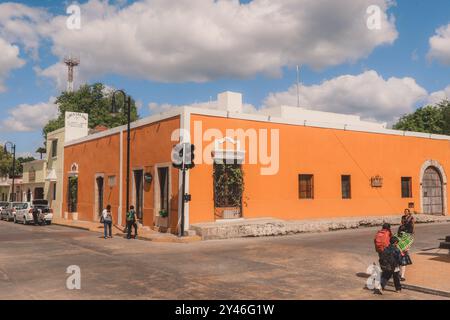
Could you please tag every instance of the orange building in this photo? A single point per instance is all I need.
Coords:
(295, 164)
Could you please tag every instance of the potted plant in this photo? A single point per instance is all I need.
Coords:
(163, 218)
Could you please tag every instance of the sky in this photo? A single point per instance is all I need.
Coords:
(378, 59)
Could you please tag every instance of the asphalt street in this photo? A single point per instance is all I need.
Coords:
(34, 261)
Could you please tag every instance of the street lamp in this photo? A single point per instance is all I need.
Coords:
(114, 109)
(13, 149)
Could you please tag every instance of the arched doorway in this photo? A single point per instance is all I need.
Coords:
(433, 189)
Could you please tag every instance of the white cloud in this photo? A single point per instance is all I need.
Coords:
(19, 25)
(440, 45)
(366, 94)
(438, 96)
(22, 24)
(9, 60)
(30, 117)
(203, 40)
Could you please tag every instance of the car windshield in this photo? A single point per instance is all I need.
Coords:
(20, 205)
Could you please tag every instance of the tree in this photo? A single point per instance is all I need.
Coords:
(5, 163)
(430, 119)
(94, 100)
(19, 164)
(41, 151)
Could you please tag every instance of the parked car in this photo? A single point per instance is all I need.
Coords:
(3, 206)
(24, 213)
(7, 213)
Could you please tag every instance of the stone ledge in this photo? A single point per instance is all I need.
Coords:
(275, 227)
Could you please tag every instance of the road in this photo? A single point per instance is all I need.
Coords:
(34, 260)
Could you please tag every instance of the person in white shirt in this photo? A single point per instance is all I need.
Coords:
(107, 221)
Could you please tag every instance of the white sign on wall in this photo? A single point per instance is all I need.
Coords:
(76, 125)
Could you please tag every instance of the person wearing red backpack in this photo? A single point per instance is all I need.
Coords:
(383, 238)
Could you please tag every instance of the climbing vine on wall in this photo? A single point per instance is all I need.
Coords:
(228, 185)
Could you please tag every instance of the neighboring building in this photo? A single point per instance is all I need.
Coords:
(334, 166)
(54, 176)
(44, 179)
(5, 188)
(33, 185)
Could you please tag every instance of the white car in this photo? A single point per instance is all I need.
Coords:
(3, 210)
(8, 212)
(24, 212)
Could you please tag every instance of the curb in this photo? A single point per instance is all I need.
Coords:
(426, 290)
(162, 240)
(69, 226)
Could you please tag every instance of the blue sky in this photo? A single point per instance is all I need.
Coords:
(416, 21)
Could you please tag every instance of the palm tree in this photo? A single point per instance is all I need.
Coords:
(41, 151)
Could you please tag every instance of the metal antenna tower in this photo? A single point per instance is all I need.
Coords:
(71, 63)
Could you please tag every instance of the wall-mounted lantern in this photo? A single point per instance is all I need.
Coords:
(148, 178)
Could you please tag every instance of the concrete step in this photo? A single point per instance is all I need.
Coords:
(445, 245)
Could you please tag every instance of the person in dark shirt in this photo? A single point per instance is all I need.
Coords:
(390, 261)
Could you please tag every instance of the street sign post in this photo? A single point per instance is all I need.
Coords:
(183, 159)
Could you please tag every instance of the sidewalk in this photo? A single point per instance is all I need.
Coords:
(429, 273)
(144, 233)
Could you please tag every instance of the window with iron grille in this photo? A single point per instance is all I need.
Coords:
(406, 187)
(306, 186)
(54, 148)
(54, 191)
(346, 187)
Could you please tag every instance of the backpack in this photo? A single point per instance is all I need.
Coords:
(387, 259)
(381, 241)
(130, 215)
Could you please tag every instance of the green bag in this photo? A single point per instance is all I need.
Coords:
(405, 241)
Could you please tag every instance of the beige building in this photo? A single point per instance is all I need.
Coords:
(53, 187)
(5, 188)
(33, 180)
(42, 179)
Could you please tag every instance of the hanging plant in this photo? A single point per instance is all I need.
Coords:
(229, 185)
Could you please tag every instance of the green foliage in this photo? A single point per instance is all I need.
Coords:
(5, 163)
(163, 213)
(94, 100)
(19, 164)
(41, 150)
(430, 119)
(229, 185)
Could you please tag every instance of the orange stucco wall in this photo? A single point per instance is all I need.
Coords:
(150, 146)
(328, 154)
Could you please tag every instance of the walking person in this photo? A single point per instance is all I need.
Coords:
(407, 226)
(390, 266)
(131, 222)
(107, 221)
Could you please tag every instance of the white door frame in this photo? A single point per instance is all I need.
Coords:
(440, 169)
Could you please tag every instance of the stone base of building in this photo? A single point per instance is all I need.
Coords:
(275, 227)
